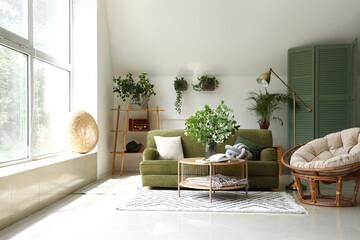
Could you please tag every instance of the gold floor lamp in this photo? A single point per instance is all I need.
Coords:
(264, 80)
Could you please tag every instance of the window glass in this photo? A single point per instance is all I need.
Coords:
(14, 16)
(51, 27)
(13, 105)
(50, 108)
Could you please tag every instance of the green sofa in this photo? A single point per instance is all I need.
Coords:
(263, 173)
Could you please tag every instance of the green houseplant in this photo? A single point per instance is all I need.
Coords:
(265, 104)
(180, 85)
(145, 89)
(210, 126)
(206, 83)
(126, 88)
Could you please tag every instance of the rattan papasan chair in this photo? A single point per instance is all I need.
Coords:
(334, 158)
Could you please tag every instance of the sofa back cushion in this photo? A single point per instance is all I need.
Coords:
(259, 136)
(192, 148)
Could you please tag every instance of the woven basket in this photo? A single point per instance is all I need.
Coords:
(83, 132)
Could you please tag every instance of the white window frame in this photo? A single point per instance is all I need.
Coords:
(26, 46)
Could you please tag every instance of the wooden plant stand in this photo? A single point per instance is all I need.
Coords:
(125, 131)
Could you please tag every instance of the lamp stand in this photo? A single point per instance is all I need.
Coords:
(292, 185)
(264, 80)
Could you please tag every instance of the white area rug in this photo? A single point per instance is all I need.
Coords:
(222, 201)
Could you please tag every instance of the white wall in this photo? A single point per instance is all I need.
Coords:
(92, 79)
(84, 88)
(232, 89)
(232, 37)
(104, 86)
(235, 40)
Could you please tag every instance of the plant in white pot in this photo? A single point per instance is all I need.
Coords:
(211, 126)
(145, 89)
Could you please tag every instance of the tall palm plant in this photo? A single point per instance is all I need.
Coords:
(265, 104)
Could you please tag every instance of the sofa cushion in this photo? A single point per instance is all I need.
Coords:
(191, 148)
(254, 148)
(159, 167)
(333, 150)
(170, 167)
(169, 148)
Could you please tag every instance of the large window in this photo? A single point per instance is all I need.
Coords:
(13, 104)
(35, 78)
(14, 16)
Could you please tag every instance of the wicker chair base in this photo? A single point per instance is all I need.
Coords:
(318, 199)
(337, 175)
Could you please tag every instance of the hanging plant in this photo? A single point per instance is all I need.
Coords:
(180, 85)
(206, 83)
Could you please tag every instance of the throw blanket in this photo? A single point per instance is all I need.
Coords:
(218, 181)
(239, 151)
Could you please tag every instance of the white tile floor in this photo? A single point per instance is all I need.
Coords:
(95, 217)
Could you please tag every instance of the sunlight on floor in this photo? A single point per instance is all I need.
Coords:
(94, 216)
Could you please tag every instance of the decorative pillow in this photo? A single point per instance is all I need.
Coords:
(169, 148)
(254, 148)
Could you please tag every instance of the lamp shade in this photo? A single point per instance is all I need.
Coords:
(264, 79)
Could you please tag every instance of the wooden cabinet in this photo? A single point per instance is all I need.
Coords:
(125, 130)
(324, 77)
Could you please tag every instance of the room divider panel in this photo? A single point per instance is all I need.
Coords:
(325, 78)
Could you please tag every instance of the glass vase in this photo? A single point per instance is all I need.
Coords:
(210, 149)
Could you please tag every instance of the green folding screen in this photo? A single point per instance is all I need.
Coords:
(325, 78)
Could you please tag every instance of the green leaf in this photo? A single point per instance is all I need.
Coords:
(210, 124)
(265, 104)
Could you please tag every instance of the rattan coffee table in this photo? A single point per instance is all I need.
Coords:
(189, 167)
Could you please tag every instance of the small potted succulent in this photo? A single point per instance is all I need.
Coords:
(126, 88)
(211, 126)
(265, 104)
(180, 85)
(206, 83)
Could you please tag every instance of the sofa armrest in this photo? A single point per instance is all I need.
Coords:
(268, 154)
(150, 154)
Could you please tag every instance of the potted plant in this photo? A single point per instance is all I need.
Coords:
(127, 88)
(180, 85)
(211, 126)
(206, 83)
(145, 89)
(265, 104)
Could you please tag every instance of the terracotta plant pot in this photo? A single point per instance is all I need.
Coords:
(264, 125)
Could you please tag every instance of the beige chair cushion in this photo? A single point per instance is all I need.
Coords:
(334, 150)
